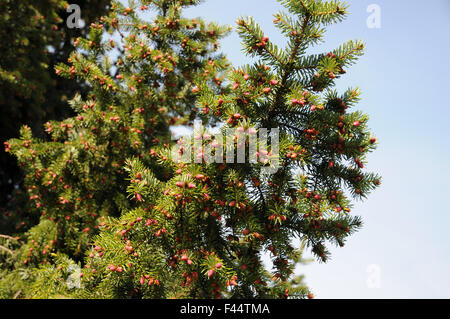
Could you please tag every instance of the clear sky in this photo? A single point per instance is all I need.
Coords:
(404, 78)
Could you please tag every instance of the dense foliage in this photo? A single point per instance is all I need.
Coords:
(122, 217)
(35, 37)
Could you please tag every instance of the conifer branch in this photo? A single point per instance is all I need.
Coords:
(288, 68)
(6, 249)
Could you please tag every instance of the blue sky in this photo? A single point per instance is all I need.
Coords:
(404, 79)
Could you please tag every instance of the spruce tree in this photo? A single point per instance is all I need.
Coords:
(117, 201)
(77, 176)
(35, 37)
